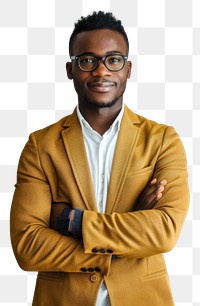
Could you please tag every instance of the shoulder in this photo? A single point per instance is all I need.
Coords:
(156, 136)
(145, 125)
(152, 131)
(52, 132)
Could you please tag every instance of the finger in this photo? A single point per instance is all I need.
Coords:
(155, 195)
(149, 201)
(149, 188)
(159, 189)
(159, 196)
(149, 194)
(163, 183)
(153, 189)
(153, 181)
(153, 201)
(151, 205)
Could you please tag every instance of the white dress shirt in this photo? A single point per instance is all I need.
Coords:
(100, 152)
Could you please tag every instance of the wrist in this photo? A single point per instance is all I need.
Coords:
(69, 223)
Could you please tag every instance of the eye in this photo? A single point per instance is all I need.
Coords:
(87, 60)
(116, 59)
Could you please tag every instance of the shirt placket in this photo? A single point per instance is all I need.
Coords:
(101, 175)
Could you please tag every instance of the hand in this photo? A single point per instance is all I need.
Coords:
(151, 195)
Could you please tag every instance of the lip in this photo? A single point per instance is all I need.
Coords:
(102, 87)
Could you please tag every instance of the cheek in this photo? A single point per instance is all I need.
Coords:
(122, 82)
(76, 77)
(79, 77)
(122, 75)
(79, 85)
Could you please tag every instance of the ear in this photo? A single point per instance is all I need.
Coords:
(129, 69)
(69, 70)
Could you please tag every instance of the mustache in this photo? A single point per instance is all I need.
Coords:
(101, 81)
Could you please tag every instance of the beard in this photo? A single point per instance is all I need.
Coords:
(98, 104)
(102, 104)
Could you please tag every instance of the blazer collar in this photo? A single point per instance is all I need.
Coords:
(125, 147)
(75, 148)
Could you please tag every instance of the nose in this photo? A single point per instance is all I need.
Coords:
(101, 70)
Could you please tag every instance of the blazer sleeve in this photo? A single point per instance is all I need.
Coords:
(146, 232)
(36, 246)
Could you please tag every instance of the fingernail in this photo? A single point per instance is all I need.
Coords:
(154, 181)
(163, 182)
(159, 196)
(161, 188)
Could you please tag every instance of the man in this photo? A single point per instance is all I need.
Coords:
(102, 241)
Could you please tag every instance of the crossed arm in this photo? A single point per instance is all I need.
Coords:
(68, 221)
(38, 247)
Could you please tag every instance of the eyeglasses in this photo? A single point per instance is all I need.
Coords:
(87, 62)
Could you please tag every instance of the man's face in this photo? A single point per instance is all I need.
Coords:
(100, 87)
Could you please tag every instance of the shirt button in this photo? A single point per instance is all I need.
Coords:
(91, 269)
(102, 251)
(93, 278)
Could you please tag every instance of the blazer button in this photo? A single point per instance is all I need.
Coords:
(95, 250)
(102, 251)
(97, 269)
(83, 269)
(93, 278)
(91, 269)
(110, 251)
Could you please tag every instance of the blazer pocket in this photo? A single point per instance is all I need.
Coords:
(51, 276)
(156, 274)
(140, 171)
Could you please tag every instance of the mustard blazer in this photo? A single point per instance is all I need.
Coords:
(53, 168)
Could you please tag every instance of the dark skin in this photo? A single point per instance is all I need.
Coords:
(100, 98)
(96, 90)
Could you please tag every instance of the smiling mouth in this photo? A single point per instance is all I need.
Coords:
(101, 87)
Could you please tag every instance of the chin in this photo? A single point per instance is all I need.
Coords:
(102, 104)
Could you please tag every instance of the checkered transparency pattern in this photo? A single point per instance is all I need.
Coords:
(34, 92)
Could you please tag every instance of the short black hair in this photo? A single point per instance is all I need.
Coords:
(96, 21)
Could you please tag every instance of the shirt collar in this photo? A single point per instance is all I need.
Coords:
(115, 124)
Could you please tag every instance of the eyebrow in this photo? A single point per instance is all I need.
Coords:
(94, 54)
(114, 52)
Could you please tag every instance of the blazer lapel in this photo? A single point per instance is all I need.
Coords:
(75, 148)
(125, 147)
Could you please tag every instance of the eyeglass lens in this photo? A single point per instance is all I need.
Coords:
(112, 62)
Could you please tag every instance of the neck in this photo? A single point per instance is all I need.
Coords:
(100, 119)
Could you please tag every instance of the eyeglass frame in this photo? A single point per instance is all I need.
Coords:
(99, 58)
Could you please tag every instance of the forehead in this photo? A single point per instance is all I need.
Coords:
(99, 42)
